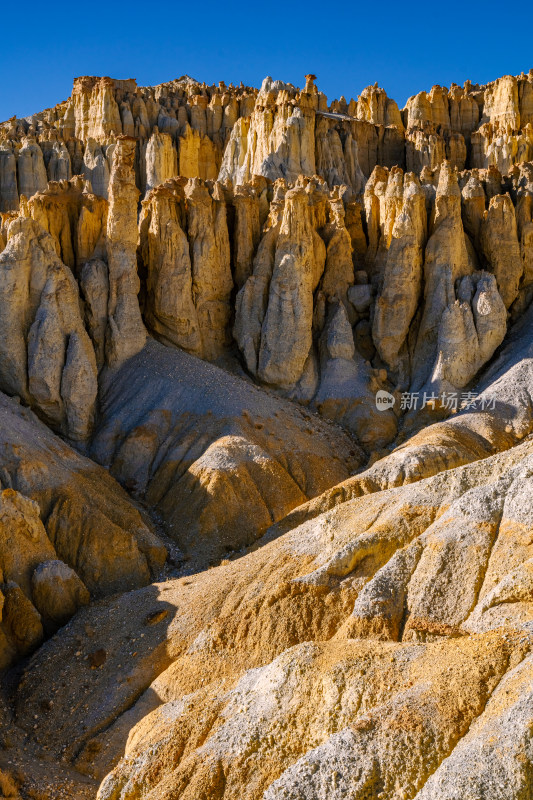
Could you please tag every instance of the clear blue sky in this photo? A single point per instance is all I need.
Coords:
(405, 46)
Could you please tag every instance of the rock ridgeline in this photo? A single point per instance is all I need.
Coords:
(194, 130)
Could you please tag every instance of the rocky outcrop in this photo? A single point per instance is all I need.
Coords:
(96, 168)
(345, 605)
(194, 130)
(362, 602)
(186, 253)
(73, 513)
(202, 447)
(91, 524)
(402, 279)
(447, 261)
(299, 277)
(198, 241)
(32, 595)
(9, 196)
(74, 217)
(125, 333)
(31, 172)
(499, 242)
(160, 159)
(57, 592)
(47, 357)
(278, 140)
(299, 262)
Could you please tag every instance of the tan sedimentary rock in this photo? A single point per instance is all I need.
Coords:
(57, 592)
(9, 196)
(25, 549)
(299, 262)
(47, 356)
(185, 249)
(246, 234)
(377, 639)
(446, 260)
(21, 629)
(278, 634)
(500, 419)
(96, 168)
(374, 190)
(287, 280)
(202, 446)
(500, 103)
(494, 145)
(31, 172)
(338, 271)
(390, 204)
(126, 333)
(353, 218)
(170, 309)
(209, 245)
(464, 110)
(90, 522)
(456, 151)
(473, 206)
(423, 148)
(24, 543)
(95, 109)
(347, 389)
(383, 200)
(402, 279)
(197, 155)
(279, 139)
(75, 218)
(374, 106)
(418, 110)
(499, 242)
(336, 159)
(59, 167)
(252, 299)
(160, 159)
(94, 289)
(280, 130)
(470, 331)
(524, 219)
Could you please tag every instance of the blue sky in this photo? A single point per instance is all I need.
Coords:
(405, 47)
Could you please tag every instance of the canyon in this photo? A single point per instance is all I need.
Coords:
(226, 570)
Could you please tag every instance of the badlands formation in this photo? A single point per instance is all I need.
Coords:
(227, 572)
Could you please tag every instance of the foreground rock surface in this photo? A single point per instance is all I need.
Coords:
(408, 604)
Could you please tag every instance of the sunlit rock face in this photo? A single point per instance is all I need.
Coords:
(266, 392)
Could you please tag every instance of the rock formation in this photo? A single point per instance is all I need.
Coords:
(125, 334)
(47, 357)
(266, 408)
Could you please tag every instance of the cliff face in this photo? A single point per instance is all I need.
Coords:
(204, 293)
(183, 127)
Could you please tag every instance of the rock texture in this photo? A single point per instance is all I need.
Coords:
(125, 334)
(46, 355)
(206, 451)
(266, 419)
(57, 504)
(279, 131)
(322, 665)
